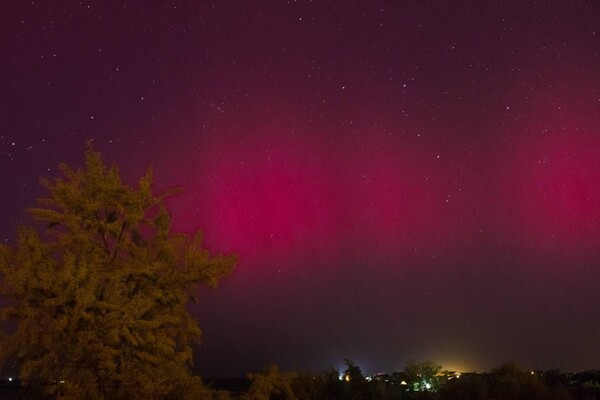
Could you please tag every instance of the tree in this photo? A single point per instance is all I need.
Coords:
(358, 386)
(426, 376)
(99, 300)
(333, 388)
(271, 384)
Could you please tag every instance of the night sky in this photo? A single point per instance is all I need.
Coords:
(400, 179)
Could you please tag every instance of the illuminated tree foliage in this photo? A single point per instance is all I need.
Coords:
(98, 302)
(424, 376)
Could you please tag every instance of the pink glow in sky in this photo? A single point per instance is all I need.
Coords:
(269, 193)
(555, 179)
(560, 186)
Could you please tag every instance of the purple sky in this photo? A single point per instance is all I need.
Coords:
(401, 179)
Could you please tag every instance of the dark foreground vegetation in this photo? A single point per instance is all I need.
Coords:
(418, 381)
(425, 381)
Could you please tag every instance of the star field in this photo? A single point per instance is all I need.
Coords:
(400, 179)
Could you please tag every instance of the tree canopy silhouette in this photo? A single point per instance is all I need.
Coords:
(98, 301)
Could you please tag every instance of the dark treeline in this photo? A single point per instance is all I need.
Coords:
(425, 381)
(418, 381)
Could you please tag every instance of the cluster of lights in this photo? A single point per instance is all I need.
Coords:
(423, 384)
